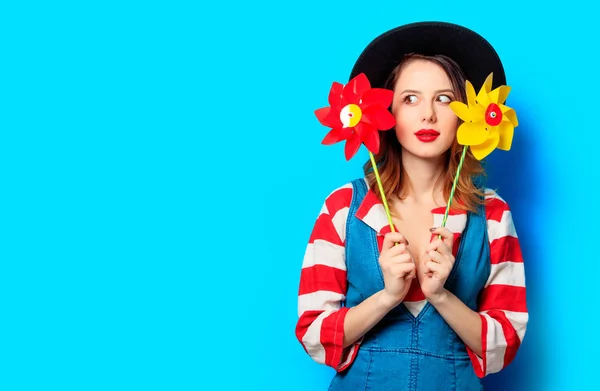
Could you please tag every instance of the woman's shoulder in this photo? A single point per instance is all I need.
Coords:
(338, 198)
(496, 206)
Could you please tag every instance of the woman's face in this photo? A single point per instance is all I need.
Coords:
(425, 123)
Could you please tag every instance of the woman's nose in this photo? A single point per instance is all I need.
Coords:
(429, 114)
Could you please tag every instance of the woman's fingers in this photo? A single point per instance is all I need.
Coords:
(438, 270)
(439, 246)
(446, 236)
(391, 238)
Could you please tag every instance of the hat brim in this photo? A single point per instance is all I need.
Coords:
(473, 53)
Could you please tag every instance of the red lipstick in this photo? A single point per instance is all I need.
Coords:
(427, 135)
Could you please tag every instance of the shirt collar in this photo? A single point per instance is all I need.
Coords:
(372, 212)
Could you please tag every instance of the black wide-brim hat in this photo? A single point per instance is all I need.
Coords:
(473, 53)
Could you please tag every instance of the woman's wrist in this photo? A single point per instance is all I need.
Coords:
(387, 301)
(439, 299)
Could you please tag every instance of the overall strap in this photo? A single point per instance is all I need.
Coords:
(361, 251)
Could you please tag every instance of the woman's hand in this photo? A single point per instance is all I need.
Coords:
(435, 265)
(397, 266)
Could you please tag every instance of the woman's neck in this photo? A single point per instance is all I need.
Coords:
(422, 178)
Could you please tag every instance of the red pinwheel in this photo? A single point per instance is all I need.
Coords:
(356, 114)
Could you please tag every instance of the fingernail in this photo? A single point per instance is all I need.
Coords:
(432, 229)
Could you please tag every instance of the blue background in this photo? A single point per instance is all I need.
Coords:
(161, 170)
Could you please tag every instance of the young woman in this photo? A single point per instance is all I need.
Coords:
(406, 310)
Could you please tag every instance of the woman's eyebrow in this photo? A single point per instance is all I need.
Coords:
(437, 91)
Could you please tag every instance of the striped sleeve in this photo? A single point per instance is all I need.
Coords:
(320, 327)
(502, 303)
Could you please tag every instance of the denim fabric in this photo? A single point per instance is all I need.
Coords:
(404, 352)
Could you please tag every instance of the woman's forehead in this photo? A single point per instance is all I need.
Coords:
(423, 74)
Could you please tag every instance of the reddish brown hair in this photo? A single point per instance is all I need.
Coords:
(389, 163)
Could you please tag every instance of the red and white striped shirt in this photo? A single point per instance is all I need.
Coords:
(502, 304)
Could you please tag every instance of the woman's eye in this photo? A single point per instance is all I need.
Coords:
(410, 99)
(445, 99)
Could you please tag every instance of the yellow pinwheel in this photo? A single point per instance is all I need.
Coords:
(488, 123)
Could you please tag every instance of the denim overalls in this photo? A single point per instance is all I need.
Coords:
(404, 352)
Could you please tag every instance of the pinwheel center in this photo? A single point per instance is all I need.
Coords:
(350, 115)
(493, 115)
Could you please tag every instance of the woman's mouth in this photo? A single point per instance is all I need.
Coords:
(427, 135)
